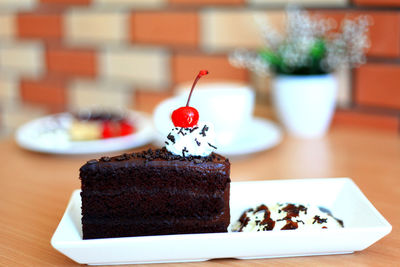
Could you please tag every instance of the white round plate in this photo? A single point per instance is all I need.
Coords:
(50, 135)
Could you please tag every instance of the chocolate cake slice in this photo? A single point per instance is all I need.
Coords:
(154, 193)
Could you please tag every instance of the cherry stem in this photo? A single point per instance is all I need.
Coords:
(201, 73)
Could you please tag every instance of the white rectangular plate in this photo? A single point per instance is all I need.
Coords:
(364, 225)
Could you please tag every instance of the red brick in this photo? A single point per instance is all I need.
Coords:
(66, 2)
(384, 33)
(49, 92)
(378, 85)
(366, 120)
(186, 66)
(71, 61)
(172, 28)
(147, 101)
(207, 2)
(39, 25)
(377, 2)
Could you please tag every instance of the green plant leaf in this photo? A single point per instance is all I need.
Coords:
(270, 57)
(318, 50)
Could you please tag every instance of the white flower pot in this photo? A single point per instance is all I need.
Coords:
(305, 104)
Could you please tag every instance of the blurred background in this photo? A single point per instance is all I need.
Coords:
(58, 55)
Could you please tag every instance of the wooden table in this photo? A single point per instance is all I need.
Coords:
(35, 188)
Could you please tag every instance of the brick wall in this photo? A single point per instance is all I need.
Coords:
(58, 55)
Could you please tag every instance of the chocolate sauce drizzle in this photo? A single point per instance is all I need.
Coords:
(290, 225)
(244, 220)
(292, 210)
(268, 222)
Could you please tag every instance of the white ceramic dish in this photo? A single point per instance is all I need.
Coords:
(364, 225)
(49, 135)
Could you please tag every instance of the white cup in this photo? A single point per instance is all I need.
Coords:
(228, 106)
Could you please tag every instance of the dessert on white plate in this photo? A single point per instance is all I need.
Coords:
(99, 124)
(364, 225)
(52, 134)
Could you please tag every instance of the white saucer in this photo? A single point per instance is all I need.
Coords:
(50, 135)
(260, 134)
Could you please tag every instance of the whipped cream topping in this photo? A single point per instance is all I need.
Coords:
(285, 217)
(193, 141)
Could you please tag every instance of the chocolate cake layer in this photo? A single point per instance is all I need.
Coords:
(144, 173)
(99, 204)
(154, 192)
(104, 228)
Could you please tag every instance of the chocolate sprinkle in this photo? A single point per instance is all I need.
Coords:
(204, 130)
(319, 219)
(171, 138)
(212, 146)
(163, 153)
(191, 130)
(184, 150)
(197, 142)
(105, 159)
(120, 158)
(181, 132)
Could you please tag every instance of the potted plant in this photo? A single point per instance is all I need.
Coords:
(302, 61)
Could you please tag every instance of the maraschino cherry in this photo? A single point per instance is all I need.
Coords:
(187, 116)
